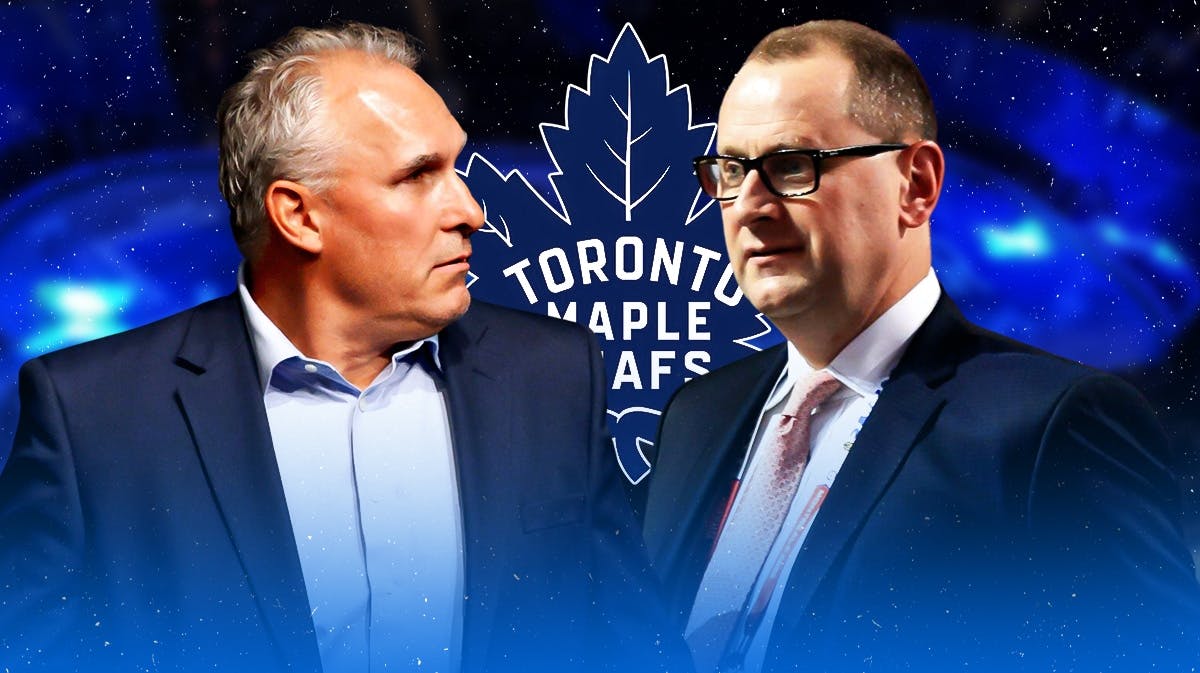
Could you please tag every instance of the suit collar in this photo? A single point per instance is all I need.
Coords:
(465, 343)
(907, 407)
(223, 407)
(942, 342)
(271, 346)
(871, 356)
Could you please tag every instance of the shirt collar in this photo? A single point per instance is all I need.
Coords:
(272, 347)
(869, 358)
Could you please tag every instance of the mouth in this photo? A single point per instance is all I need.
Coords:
(457, 263)
(769, 252)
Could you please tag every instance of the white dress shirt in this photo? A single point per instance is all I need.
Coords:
(861, 367)
(372, 494)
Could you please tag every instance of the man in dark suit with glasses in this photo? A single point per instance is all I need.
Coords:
(894, 487)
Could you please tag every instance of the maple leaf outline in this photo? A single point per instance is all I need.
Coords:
(641, 468)
(768, 337)
(523, 220)
(547, 129)
(490, 226)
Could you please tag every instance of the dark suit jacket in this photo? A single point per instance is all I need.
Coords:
(143, 524)
(1001, 507)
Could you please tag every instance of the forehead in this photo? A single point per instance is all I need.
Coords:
(798, 102)
(377, 102)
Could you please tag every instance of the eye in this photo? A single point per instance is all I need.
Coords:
(417, 174)
(419, 168)
(731, 171)
(791, 169)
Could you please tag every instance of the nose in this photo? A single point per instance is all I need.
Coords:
(753, 202)
(465, 211)
(754, 184)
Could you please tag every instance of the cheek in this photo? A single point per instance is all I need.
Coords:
(842, 253)
(848, 230)
(730, 233)
(403, 268)
(394, 233)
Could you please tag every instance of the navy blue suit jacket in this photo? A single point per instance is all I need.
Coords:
(143, 523)
(1001, 508)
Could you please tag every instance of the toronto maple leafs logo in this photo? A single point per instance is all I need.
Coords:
(626, 243)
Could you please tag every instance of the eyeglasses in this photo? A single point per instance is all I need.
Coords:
(786, 173)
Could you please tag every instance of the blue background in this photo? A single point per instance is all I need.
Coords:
(1071, 132)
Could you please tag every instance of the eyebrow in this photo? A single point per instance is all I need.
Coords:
(419, 161)
(429, 158)
(411, 166)
(792, 143)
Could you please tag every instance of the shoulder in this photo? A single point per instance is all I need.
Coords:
(995, 365)
(1025, 402)
(736, 375)
(987, 348)
(520, 335)
(483, 316)
(523, 348)
(146, 347)
(988, 369)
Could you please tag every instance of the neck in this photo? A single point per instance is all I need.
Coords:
(821, 334)
(319, 325)
(820, 340)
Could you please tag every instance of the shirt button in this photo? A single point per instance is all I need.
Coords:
(362, 404)
(310, 368)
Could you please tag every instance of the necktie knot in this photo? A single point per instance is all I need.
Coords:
(795, 421)
(810, 393)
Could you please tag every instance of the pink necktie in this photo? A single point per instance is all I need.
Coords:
(755, 521)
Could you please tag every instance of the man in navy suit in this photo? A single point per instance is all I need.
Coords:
(344, 465)
(951, 499)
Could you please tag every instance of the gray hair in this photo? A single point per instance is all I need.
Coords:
(270, 122)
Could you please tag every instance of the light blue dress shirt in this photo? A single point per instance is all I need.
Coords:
(372, 493)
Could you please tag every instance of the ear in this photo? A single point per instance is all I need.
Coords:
(926, 167)
(290, 211)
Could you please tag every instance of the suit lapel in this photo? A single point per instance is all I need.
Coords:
(477, 397)
(906, 408)
(222, 404)
(680, 527)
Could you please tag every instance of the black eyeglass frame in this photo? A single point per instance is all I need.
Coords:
(817, 156)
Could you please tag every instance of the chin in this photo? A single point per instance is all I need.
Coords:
(773, 298)
(466, 304)
(458, 307)
(433, 317)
